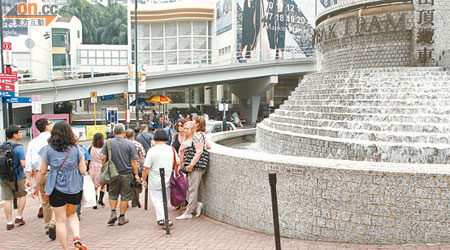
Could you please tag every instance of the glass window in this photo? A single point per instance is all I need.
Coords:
(199, 28)
(171, 29)
(185, 43)
(185, 57)
(143, 44)
(157, 30)
(171, 43)
(83, 53)
(199, 42)
(185, 28)
(99, 61)
(84, 61)
(99, 53)
(115, 61)
(107, 53)
(209, 28)
(157, 58)
(108, 61)
(123, 61)
(143, 30)
(60, 60)
(172, 58)
(92, 53)
(58, 37)
(92, 61)
(157, 44)
(123, 54)
(115, 53)
(200, 55)
(143, 58)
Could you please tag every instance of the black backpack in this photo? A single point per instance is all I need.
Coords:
(7, 168)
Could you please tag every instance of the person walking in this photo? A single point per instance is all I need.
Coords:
(125, 158)
(64, 184)
(159, 156)
(179, 137)
(169, 132)
(15, 188)
(87, 159)
(145, 138)
(95, 166)
(137, 189)
(33, 164)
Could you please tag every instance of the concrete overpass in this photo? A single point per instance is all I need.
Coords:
(258, 76)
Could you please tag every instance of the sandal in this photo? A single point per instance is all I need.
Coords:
(160, 222)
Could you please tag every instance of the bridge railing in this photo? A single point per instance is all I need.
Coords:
(167, 63)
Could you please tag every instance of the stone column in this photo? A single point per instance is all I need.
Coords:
(207, 99)
(270, 95)
(196, 95)
(219, 93)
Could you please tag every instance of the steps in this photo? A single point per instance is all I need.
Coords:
(383, 114)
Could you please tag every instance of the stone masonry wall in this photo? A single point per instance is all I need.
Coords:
(328, 200)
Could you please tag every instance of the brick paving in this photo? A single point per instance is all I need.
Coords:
(143, 233)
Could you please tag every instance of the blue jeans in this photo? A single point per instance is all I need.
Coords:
(79, 209)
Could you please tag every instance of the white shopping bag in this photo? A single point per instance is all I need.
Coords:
(88, 199)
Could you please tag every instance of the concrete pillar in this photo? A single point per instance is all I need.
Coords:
(270, 95)
(207, 99)
(196, 95)
(219, 93)
(48, 109)
(234, 99)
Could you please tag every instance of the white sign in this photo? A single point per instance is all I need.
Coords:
(7, 57)
(93, 99)
(36, 104)
(79, 131)
(221, 105)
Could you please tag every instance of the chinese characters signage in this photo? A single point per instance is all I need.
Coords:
(425, 16)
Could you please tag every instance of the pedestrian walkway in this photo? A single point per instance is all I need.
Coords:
(143, 233)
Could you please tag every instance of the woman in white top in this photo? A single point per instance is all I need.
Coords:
(159, 156)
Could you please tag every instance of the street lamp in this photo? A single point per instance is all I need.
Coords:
(136, 60)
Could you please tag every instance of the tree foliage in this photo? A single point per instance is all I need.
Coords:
(101, 25)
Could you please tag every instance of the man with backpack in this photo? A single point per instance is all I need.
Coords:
(12, 176)
(145, 138)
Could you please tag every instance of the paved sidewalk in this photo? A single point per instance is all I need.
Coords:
(143, 233)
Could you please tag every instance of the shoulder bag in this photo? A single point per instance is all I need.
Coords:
(109, 171)
(178, 184)
(189, 154)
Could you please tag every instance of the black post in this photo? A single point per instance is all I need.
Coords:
(276, 223)
(146, 196)
(136, 61)
(4, 106)
(164, 193)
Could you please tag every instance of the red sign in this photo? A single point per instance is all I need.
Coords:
(7, 46)
(7, 81)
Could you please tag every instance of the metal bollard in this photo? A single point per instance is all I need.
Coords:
(276, 222)
(166, 211)
(146, 196)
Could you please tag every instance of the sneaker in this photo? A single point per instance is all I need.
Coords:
(198, 211)
(40, 214)
(122, 221)
(184, 217)
(112, 219)
(9, 226)
(78, 243)
(52, 231)
(20, 222)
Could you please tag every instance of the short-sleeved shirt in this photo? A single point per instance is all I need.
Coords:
(159, 156)
(139, 148)
(68, 179)
(122, 153)
(87, 156)
(145, 138)
(19, 154)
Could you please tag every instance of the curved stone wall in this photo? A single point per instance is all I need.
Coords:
(328, 200)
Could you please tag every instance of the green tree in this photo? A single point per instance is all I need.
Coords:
(114, 27)
(88, 16)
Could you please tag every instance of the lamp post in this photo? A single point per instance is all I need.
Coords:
(136, 60)
(4, 106)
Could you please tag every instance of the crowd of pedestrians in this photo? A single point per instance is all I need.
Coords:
(55, 165)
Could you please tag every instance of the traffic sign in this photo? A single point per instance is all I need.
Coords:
(7, 46)
(17, 100)
(36, 104)
(93, 99)
(107, 98)
(93, 94)
(7, 57)
(7, 81)
(7, 93)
